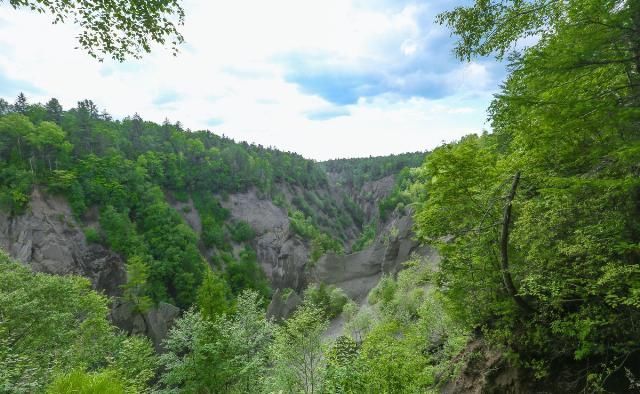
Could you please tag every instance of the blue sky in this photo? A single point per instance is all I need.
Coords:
(331, 78)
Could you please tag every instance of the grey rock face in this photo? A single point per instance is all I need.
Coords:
(367, 196)
(263, 215)
(155, 323)
(281, 307)
(358, 273)
(282, 255)
(371, 193)
(48, 239)
(189, 213)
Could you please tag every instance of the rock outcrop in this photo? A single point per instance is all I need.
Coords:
(282, 255)
(48, 239)
(358, 273)
(189, 214)
(155, 323)
(283, 304)
(367, 196)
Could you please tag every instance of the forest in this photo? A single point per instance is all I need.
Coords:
(536, 224)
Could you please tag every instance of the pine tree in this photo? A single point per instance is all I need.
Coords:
(54, 110)
(21, 105)
(5, 107)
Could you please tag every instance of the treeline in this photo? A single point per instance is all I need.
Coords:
(355, 172)
(126, 173)
(180, 160)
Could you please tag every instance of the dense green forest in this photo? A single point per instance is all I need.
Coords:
(130, 170)
(355, 172)
(537, 224)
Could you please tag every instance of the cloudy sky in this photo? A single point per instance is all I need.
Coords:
(327, 79)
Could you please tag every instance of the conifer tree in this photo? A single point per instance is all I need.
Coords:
(54, 110)
(21, 105)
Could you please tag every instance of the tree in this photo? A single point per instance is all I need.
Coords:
(54, 111)
(136, 290)
(297, 352)
(14, 129)
(329, 298)
(394, 360)
(226, 354)
(86, 114)
(344, 371)
(249, 336)
(21, 105)
(550, 269)
(50, 141)
(88, 108)
(118, 29)
(5, 107)
(137, 129)
(57, 324)
(247, 274)
(494, 27)
(214, 296)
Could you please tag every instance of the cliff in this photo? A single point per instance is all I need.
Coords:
(48, 238)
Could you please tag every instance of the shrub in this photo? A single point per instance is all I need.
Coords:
(242, 232)
(92, 235)
(328, 298)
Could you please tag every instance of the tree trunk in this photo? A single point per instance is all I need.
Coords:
(634, 37)
(504, 247)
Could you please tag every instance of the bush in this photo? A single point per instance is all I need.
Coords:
(92, 235)
(247, 274)
(365, 239)
(329, 298)
(242, 232)
(321, 243)
(68, 330)
(212, 233)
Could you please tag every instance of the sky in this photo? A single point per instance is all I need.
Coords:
(323, 78)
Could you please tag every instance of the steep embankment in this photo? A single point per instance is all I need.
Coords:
(50, 238)
(285, 257)
(357, 273)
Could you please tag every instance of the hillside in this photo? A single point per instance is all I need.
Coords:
(138, 257)
(81, 193)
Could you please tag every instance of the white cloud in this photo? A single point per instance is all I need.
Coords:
(229, 74)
